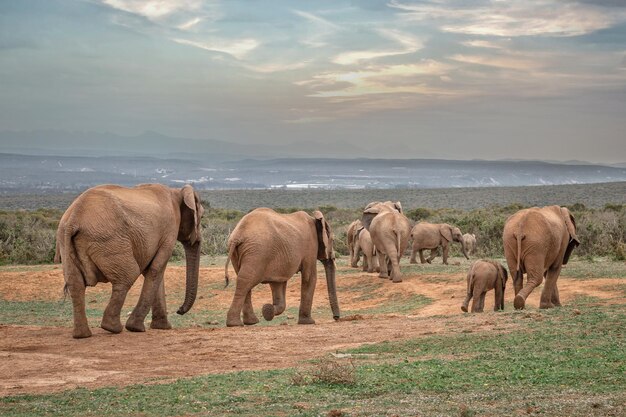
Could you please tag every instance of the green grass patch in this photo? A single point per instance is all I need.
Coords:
(594, 268)
(565, 364)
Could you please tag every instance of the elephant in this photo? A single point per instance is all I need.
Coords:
(432, 236)
(351, 232)
(469, 241)
(363, 242)
(485, 275)
(268, 247)
(389, 229)
(538, 242)
(114, 234)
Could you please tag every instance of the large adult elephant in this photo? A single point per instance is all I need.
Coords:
(432, 236)
(114, 234)
(389, 229)
(268, 247)
(538, 242)
(351, 237)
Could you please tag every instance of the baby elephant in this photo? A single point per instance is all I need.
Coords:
(485, 275)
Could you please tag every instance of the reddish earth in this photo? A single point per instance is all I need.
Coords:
(36, 359)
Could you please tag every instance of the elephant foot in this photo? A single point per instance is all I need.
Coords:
(413, 261)
(546, 305)
(135, 325)
(396, 280)
(306, 320)
(111, 326)
(268, 312)
(159, 324)
(430, 261)
(519, 302)
(445, 262)
(234, 322)
(464, 309)
(383, 276)
(81, 333)
(354, 265)
(250, 318)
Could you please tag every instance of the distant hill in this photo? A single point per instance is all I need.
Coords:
(53, 173)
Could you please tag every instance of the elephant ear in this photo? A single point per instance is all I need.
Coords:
(191, 202)
(371, 211)
(504, 275)
(398, 206)
(571, 228)
(446, 232)
(324, 246)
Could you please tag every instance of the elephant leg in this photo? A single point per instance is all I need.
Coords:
(556, 299)
(535, 277)
(433, 255)
(351, 250)
(159, 310)
(309, 280)
(468, 297)
(366, 262)
(279, 303)
(547, 294)
(356, 257)
(111, 317)
(382, 262)
(445, 254)
(413, 259)
(482, 301)
(245, 282)
(393, 260)
(149, 292)
(249, 318)
(81, 325)
(422, 259)
(476, 295)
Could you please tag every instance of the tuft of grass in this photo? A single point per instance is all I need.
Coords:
(326, 371)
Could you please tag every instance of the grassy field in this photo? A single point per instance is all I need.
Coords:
(565, 364)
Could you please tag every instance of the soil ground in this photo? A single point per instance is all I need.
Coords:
(42, 359)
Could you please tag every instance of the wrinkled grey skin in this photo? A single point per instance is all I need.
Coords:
(114, 234)
(269, 247)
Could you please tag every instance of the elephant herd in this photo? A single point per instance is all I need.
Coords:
(114, 234)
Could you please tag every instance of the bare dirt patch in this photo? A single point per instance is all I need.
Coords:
(40, 359)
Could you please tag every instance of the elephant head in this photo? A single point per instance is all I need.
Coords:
(453, 234)
(190, 235)
(376, 207)
(326, 254)
(571, 229)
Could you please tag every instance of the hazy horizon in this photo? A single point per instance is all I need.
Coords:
(444, 79)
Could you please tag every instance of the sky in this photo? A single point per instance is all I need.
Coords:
(454, 79)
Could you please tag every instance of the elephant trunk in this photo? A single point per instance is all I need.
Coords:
(192, 255)
(464, 249)
(329, 268)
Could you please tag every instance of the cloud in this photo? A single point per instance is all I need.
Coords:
(513, 17)
(154, 9)
(235, 48)
(409, 44)
(322, 29)
(389, 79)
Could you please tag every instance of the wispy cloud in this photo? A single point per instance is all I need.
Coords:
(322, 29)
(409, 44)
(390, 79)
(177, 14)
(513, 17)
(235, 48)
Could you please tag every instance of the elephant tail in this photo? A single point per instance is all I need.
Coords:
(231, 252)
(226, 278)
(519, 236)
(68, 257)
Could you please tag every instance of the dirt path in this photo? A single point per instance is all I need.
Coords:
(36, 359)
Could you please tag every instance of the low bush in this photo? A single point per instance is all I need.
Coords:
(28, 237)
